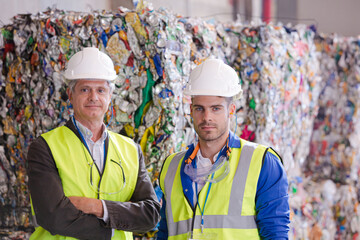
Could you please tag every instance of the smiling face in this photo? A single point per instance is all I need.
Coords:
(211, 116)
(90, 100)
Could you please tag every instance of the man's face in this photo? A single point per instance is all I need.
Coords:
(211, 117)
(90, 100)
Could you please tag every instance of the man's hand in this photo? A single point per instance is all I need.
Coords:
(88, 205)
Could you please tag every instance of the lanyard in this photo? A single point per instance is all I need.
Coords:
(83, 139)
(207, 195)
(189, 160)
(203, 209)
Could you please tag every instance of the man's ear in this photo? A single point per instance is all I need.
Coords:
(232, 109)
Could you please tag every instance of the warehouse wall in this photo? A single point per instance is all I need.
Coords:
(332, 16)
(221, 10)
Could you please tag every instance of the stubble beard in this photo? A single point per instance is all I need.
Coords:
(208, 136)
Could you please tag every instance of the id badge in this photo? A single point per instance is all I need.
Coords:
(201, 236)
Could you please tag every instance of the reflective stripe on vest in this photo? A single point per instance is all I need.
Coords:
(72, 158)
(239, 202)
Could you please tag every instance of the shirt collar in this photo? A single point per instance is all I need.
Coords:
(88, 134)
(202, 159)
(234, 142)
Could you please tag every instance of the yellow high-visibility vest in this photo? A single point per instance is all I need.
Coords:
(230, 207)
(73, 162)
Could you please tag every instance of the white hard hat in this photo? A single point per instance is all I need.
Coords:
(213, 78)
(90, 63)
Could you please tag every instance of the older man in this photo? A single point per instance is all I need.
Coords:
(85, 181)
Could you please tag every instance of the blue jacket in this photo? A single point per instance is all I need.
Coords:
(272, 199)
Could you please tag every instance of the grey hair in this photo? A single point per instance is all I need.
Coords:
(72, 85)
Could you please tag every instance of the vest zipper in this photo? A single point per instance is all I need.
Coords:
(193, 219)
(194, 211)
(101, 174)
(98, 194)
